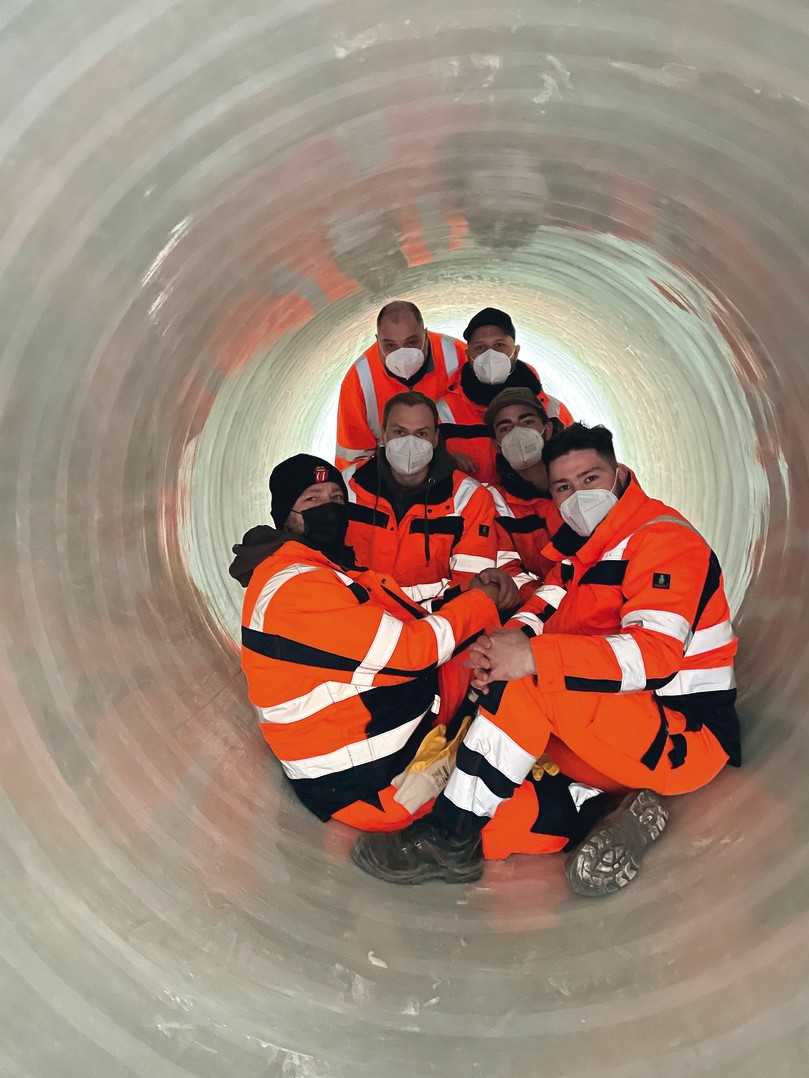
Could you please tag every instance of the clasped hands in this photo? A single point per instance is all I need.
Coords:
(499, 586)
(504, 655)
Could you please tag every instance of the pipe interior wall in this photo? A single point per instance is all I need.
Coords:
(204, 205)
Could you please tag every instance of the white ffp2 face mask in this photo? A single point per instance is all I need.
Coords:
(585, 509)
(408, 454)
(404, 362)
(491, 367)
(522, 447)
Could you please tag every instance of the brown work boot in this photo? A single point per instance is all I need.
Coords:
(609, 858)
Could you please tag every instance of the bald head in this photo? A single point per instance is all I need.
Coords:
(398, 309)
(400, 325)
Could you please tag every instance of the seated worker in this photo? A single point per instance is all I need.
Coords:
(520, 428)
(622, 674)
(413, 515)
(493, 366)
(345, 671)
(404, 356)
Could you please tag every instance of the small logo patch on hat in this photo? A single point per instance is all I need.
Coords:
(661, 580)
(321, 474)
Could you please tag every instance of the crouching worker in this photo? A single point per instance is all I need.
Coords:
(349, 676)
(619, 671)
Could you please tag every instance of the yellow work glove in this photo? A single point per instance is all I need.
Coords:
(428, 772)
(544, 766)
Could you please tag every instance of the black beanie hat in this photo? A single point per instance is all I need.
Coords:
(490, 316)
(290, 479)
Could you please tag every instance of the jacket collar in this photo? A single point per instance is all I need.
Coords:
(264, 541)
(513, 483)
(375, 477)
(522, 377)
(621, 520)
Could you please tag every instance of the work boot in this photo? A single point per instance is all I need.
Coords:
(609, 858)
(419, 853)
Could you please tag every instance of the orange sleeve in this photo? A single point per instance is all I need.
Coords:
(508, 555)
(666, 574)
(319, 621)
(355, 439)
(540, 606)
(476, 549)
(565, 416)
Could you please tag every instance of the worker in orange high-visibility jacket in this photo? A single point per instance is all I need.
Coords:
(412, 514)
(617, 676)
(519, 428)
(404, 356)
(492, 367)
(348, 675)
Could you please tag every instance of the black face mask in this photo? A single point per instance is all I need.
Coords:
(325, 526)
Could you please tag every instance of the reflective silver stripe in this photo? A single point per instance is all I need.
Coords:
(343, 578)
(353, 755)
(348, 475)
(551, 594)
(381, 649)
(450, 356)
(505, 557)
(551, 407)
(667, 518)
(521, 579)
(363, 369)
(469, 563)
(688, 681)
(419, 593)
(616, 553)
(498, 749)
(345, 453)
(444, 636)
(463, 495)
(501, 752)
(276, 581)
(717, 636)
(500, 503)
(531, 620)
(660, 621)
(630, 660)
(580, 793)
(471, 794)
(444, 412)
(301, 707)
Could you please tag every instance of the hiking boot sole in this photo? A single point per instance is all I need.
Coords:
(609, 859)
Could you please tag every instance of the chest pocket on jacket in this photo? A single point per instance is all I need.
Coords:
(441, 526)
(611, 573)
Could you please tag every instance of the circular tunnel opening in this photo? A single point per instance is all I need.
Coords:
(620, 335)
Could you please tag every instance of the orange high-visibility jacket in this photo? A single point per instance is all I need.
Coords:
(441, 541)
(532, 521)
(639, 605)
(462, 409)
(342, 668)
(368, 387)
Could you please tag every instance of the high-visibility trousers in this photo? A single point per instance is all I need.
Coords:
(606, 741)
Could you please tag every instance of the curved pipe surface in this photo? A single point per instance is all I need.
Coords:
(204, 205)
